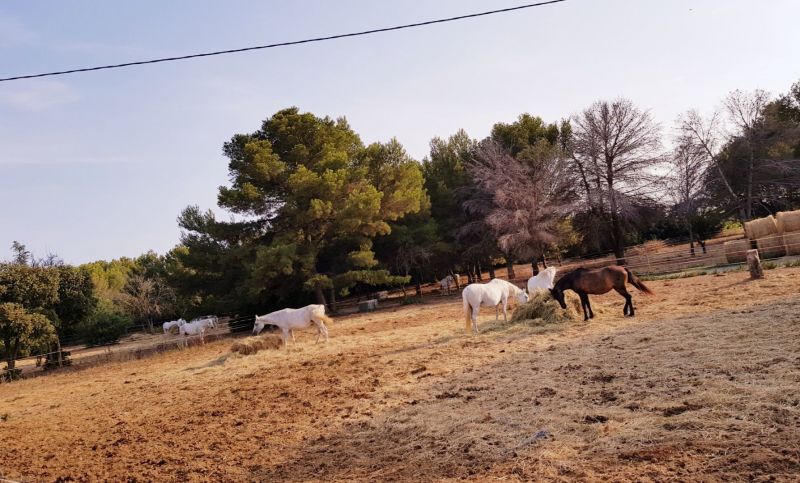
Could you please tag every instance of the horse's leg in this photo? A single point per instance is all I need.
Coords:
(584, 303)
(628, 309)
(291, 331)
(505, 309)
(285, 335)
(497, 312)
(475, 318)
(589, 306)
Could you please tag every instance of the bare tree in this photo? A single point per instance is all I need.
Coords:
(745, 116)
(705, 136)
(689, 166)
(530, 195)
(615, 147)
(746, 113)
(147, 298)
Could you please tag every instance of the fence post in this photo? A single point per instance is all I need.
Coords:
(754, 264)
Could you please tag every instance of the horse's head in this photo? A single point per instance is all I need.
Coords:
(259, 325)
(558, 294)
(522, 297)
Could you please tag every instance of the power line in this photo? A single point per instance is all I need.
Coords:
(284, 44)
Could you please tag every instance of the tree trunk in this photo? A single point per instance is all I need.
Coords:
(510, 268)
(702, 244)
(419, 283)
(58, 348)
(619, 245)
(479, 271)
(754, 264)
(332, 300)
(691, 238)
(535, 266)
(492, 275)
(749, 207)
(319, 295)
(544, 261)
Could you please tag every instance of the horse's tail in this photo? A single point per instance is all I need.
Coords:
(319, 312)
(634, 280)
(467, 313)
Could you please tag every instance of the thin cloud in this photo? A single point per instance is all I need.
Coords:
(37, 96)
(13, 32)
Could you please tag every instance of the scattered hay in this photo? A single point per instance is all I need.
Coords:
(252, 345)
(174, 330)
(761, 228)
(788, 221)
(736, 250)
(771, 247)
(792, 242)
(542, 309)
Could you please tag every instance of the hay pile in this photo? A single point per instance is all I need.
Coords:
(736, 250)
(252, 345)
(542, 309)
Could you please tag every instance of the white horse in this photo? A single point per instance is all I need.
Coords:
(210, 320)
(449, 282)
(195, 327)
(289, 319)
(173, 323)
(489, 294)
(542, 281)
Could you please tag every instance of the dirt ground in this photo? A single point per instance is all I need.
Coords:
(703, 384)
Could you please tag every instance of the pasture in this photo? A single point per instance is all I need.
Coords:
(705, 380)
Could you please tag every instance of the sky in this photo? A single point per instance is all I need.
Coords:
(99, 165)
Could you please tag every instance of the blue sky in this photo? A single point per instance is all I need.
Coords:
(99, 165)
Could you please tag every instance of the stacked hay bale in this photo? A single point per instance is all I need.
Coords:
(736, 250)
(788, 223)
(768, 239)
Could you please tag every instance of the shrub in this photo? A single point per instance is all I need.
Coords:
(105, 326)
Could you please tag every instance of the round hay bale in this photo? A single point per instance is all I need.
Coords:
(736, 250)
(761, 228)
(792, 243)
(788, 221)
(542, 309)
(771, 247)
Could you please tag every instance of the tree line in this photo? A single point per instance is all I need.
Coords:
(316, 214)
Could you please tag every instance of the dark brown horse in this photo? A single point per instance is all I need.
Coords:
(599, 281)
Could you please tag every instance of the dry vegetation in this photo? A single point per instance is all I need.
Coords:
(703, 383)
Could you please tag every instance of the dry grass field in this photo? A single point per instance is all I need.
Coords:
(704, 384)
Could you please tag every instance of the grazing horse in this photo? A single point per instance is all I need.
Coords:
(542, 281)
(490, 294)
(599, 281)
(289, 319)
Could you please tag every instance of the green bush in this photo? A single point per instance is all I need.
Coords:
(105, 326)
